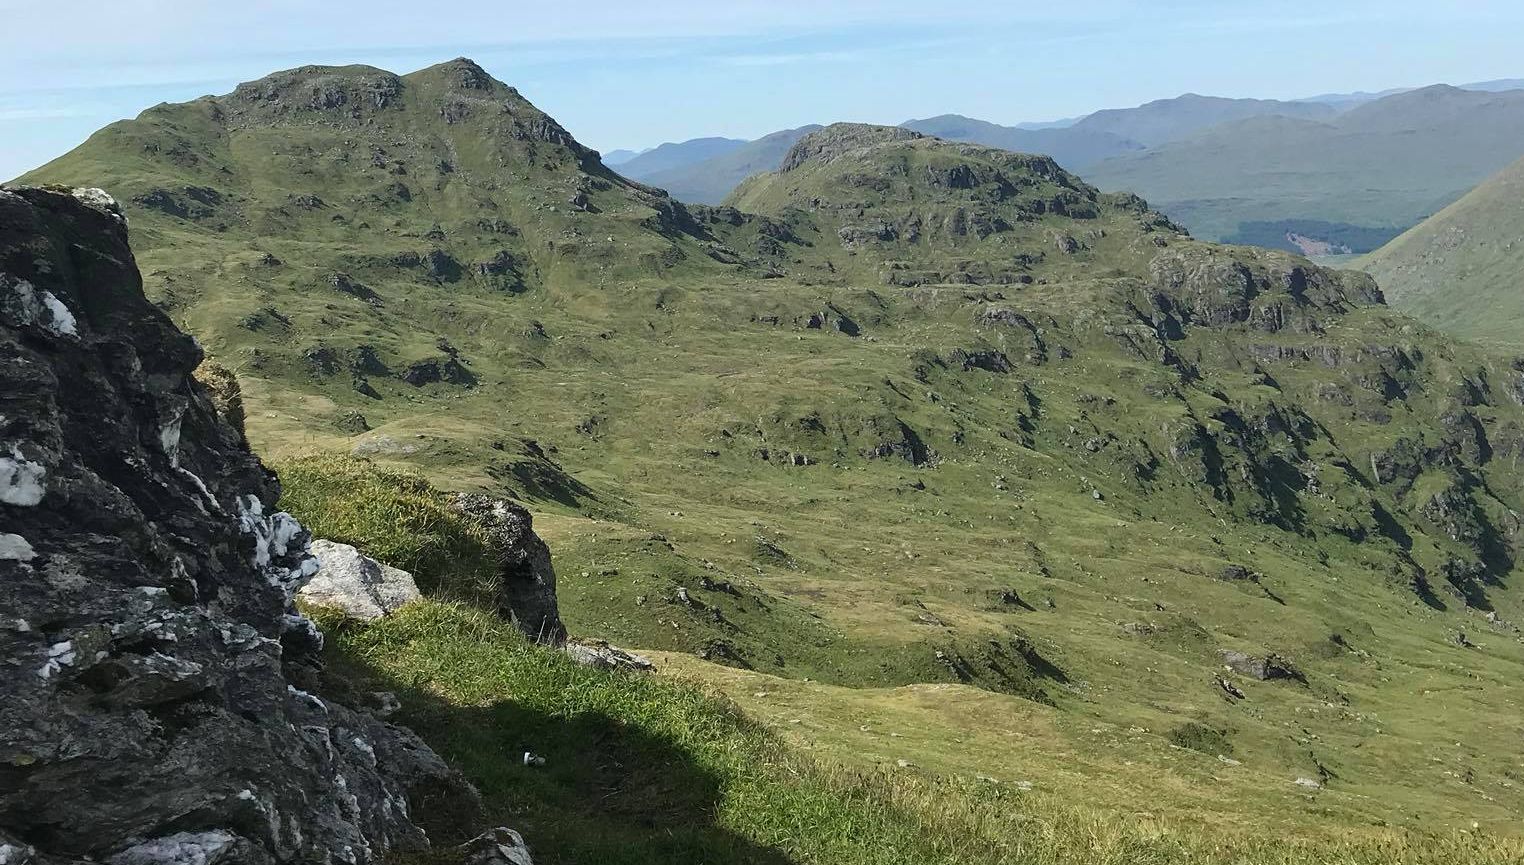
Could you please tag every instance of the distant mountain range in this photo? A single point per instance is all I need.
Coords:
(1463, 268)
(704, 170)
(666, 157)
(1384, 164)
(1071, 146)
(620, 157)
(1333, 173)
(1166, 120)
(695, 172)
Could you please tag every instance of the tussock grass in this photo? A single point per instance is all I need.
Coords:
(393, 515)
(646, 769)
(643, 769)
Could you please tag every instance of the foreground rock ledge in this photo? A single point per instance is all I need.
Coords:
(150, 708)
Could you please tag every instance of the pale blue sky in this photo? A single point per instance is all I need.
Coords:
(634, 74)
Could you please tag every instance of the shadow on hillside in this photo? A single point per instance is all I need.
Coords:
(608, 792)
(544, 480)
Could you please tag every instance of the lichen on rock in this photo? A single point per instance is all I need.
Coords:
(357, 585)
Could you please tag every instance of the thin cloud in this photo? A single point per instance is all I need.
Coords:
(788, 59)
(14, 115)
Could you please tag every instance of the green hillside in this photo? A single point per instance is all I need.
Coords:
(1384, 165)
(920, 451)
(1462, 269)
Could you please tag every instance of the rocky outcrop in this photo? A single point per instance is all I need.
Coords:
(500, 846)
(153, 708)
(1264, 669)
(1267, 291)
(602, 656)
(357, 585)
(527, 587)
(839, 139)
(352, 91)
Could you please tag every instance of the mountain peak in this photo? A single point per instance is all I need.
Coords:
(837, 139)
(462, 73)
(1436, 90)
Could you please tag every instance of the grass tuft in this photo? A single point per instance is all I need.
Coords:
(394, 516)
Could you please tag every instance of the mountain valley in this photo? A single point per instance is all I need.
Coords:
(941, 464)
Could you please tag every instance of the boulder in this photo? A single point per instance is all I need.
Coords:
(356, 584)
(527, 593)
(1264, 669)
(500, 846)
(153, 707)
(600, 655)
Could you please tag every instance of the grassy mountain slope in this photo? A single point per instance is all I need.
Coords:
(1463, 268)
(981, 452)
(642, 770)
(1166, 120)
(1383, 165)
(677, 155)
(708, 181)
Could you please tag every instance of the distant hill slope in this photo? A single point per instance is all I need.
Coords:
(619, 157)
(1463, 268)
(1496, 85)
(1167, 120)
(1385, 164)
(673, 155)
(710, 180)
(1072, 147)
(1349, 100)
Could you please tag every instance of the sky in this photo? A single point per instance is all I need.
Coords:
(635, 73)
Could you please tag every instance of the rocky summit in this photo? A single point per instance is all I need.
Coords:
(155, 705)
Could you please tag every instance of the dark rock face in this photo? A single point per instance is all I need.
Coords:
(987, 359)
(152, 709)
(899, 440)
(434, 370)
(528, 592)
(1274, 292)
(191, 202)
(1264, 669)
(342, 282)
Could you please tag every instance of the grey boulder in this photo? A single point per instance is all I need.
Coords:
(500, 846)
(527, 594)
(602, 656)
(355, 584)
